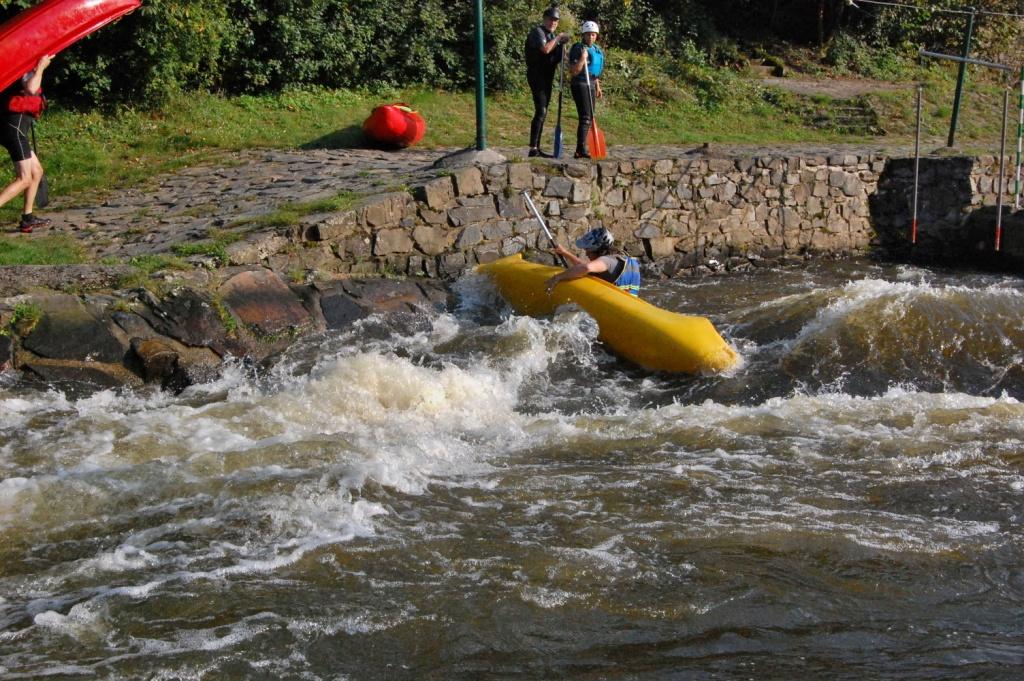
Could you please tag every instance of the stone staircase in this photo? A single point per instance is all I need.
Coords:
(848, 116)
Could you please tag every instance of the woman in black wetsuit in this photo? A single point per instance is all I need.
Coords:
(20, 105)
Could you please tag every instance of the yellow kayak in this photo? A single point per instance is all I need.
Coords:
(645, 334)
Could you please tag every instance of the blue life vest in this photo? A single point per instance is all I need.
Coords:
(629, 278)
(595, 61)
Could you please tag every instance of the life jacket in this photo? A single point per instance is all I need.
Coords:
(629, 278)
(32, 105)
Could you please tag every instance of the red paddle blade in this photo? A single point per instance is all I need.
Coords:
(595, 140)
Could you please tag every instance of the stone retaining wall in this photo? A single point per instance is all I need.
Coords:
(689, 214)
(685, 214)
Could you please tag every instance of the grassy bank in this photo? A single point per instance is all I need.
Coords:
(89, 153)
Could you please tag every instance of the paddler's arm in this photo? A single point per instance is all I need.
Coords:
(36, 81)
(569, 257)
(577, 271)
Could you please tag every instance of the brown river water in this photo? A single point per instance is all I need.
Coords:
(477, 495)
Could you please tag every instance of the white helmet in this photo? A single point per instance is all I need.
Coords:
(595, 239)
(590, 27)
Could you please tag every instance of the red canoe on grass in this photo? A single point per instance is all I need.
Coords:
(395, 125)
(49, 27)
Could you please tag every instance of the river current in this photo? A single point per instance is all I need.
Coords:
(479, 495)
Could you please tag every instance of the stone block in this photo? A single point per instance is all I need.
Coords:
(615, 198)
(437, 194)
(520, 176)
(559, 187)
(662, 247)
(327, 226)
(581, 192)
(664, 199)
(496, 231)
(388, 241)
(468, 181)
(487, 253)
(512, 206)
(468, 215)
(254, 248)
(530, 226)
(430, 240)
(384, 210)
(647, 230)
(432, 217)
(513, 245)
(663, 167)
(261, 301)
(453, 264)
(469, 237)
(852, 185)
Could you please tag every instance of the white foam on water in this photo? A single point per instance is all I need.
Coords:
(546, 598)
(87, 620)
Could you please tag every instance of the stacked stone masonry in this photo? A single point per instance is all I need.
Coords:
(687, 214)
(683, 213)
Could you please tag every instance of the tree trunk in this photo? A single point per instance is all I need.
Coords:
(821, 22)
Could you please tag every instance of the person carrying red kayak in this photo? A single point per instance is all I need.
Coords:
(20, 105)
(586, 62)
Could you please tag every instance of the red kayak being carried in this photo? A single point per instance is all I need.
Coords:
(395, 125)
(49, 27)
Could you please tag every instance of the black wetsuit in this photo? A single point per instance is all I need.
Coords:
(540, 74)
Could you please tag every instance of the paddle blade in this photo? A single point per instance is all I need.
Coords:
(557, 152)
(595, 139)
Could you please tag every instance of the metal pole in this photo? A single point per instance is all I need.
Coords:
(481, 116)
(960, 79)
(1020, 143)
(917, 165)
(1002, 165)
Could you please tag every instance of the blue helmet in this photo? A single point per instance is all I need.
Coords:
(595, 239)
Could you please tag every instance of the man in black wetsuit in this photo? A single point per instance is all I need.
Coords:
(543, 55)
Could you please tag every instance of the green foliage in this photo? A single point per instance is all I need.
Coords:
(258, 46)
(849, 54)
(25, 317)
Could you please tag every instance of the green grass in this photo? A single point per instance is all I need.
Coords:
(47, 250)
(292, 213)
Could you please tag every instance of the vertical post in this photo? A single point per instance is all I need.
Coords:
(481, 115)
(960, 79)
(917, 165)
(1020, 143)
(1002, 166)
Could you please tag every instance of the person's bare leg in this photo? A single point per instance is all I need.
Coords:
(35, 177)
(22, 181)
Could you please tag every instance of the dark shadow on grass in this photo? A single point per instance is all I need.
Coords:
(351, 137)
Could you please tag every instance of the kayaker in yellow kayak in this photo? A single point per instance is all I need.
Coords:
(604, 261)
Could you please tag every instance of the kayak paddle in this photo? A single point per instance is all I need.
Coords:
(557, 151)
(595, 137)
(543, 225)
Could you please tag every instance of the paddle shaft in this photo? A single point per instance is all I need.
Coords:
(543, 225)
(593, 95)
(561, 92)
